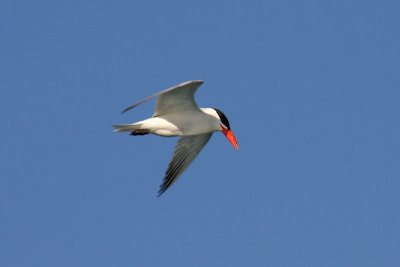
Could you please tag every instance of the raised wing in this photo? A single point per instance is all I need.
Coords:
(179, 98)
(186, 150)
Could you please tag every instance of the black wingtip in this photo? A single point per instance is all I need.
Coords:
(161, 191)
(164, 186)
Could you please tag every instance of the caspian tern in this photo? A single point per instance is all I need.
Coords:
(177, 114)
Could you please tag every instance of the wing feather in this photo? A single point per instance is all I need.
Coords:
(186, 150)
(174, 99)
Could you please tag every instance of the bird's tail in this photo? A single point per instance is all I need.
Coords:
(126, 127)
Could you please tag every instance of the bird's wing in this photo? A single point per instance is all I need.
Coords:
(179, 98)
(186, 150)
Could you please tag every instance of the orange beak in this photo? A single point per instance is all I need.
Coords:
(230, 136)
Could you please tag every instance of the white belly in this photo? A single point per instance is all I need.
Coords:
(160, 126)
(193, 123)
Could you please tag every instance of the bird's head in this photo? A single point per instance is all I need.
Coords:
(225, 128)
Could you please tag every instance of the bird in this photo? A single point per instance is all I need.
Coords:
(176, 113)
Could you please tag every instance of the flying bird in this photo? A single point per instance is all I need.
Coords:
(177, 114)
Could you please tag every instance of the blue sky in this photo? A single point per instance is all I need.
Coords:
(311, 89)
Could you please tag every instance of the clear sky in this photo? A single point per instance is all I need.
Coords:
(312, 92)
